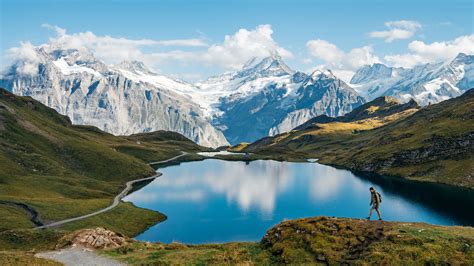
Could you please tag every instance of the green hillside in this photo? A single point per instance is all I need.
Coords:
(63, 170)
(434, 143)
(320, 240)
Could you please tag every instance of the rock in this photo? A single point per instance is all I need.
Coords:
(97, 238)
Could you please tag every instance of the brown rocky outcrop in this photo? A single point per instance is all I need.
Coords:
(96, 238)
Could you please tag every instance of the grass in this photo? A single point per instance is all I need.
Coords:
(320, 240)
(14, 217)
(137, 221)
(239, 147)
(8, 258)
(139, 253)
(433, 144)
(64, 171)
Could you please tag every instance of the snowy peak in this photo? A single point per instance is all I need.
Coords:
(322, 74)
(268, 66)
(427, 83)
(371, 72)
(463, 58)
(134, 66)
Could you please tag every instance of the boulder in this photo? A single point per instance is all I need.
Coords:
(96, 238)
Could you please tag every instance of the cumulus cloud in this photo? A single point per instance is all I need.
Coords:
(113, 49)
(421, 52)
(343, 64)
(337, 59)
(397, 30)
(243, 45)
(25, 57)
(231, 53)
(324, 50)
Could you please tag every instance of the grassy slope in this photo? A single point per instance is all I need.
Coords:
(65, 171)
(433, 144)
(321, 240)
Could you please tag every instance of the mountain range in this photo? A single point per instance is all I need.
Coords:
(432, 143)
(265, 97)
(123, 99)
(427, 84)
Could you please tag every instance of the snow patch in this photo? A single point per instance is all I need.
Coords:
(66, 69)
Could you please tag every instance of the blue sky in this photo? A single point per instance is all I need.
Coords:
(337, 26)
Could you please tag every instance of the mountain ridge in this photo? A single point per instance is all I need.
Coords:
(434, 143)
(129, 98)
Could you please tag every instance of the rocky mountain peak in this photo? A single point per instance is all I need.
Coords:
(371, 72)
(463, 58)
(322, 74)
(134, 66)
(272, 65)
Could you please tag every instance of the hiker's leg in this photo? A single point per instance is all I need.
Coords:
(378, 212)
(370, 214)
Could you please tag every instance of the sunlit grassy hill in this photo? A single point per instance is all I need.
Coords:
(434, 143)
(64, 170)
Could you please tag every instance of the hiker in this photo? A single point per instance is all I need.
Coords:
(375, 200)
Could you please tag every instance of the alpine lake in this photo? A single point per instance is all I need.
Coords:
(216, 201)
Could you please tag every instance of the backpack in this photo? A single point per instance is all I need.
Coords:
(380, 197)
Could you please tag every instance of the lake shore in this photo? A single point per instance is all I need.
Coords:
(326, 240)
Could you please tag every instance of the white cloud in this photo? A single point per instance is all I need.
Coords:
(342, 63)
(421, 52)
(232, 53)
(404, 24)
(324, 50)
(243, 45)
(25, 57)
(397, 30)
(113, 49)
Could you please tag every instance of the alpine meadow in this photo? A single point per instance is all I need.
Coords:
(236, 132)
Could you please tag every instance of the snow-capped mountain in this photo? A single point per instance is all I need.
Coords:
(429, 83)
(267, 97)
(123, 99)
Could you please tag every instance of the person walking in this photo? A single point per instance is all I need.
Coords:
(375, 200)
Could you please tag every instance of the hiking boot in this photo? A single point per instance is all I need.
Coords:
(368, 218)
(380, 219)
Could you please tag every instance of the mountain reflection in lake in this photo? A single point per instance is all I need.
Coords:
(220, 201)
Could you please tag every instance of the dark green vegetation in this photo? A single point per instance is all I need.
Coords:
(434, 143)
(63, 170)
(321, 240)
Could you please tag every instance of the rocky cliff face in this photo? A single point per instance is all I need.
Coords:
(321, 94)
(438, 148)
(427, 84)
(122, 100)
(268, 98)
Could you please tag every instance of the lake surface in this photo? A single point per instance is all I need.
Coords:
(215, 201)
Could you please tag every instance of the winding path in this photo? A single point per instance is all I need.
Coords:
(117, 198)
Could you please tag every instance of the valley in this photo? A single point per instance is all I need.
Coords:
(67, 171)
(236, 132)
